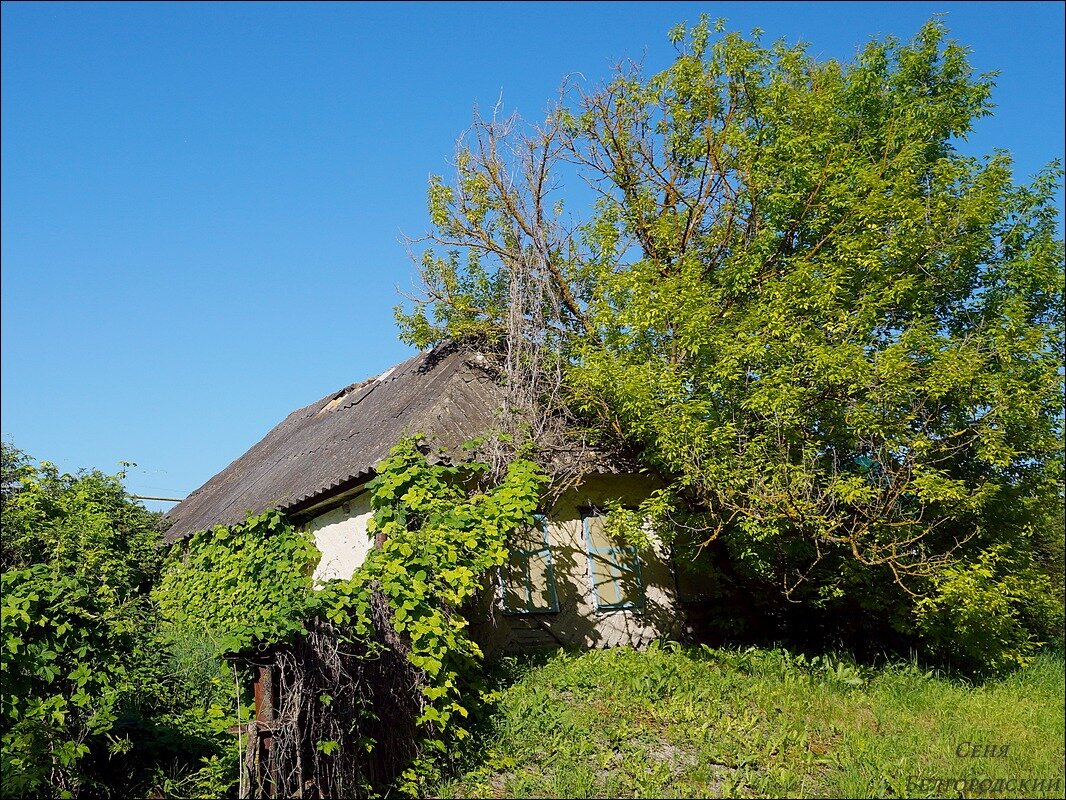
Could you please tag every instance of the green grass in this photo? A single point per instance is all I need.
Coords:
(671, 722)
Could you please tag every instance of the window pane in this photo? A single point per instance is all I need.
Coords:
(528, 539)
(528, 579)
(627, 576)
(515, 593)
(514, 598)
(616, 579)
(605, 580)
(542, 581)
(597, 529)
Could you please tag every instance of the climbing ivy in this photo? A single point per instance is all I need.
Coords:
(242, 585)
(441, 539)
(444, 529)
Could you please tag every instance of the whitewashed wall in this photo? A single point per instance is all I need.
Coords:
(578, 623)
(341, 536)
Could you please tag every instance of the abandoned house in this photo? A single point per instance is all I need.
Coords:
(567, 582)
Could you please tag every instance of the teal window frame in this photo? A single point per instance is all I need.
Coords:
(612, 554)
(541, 522)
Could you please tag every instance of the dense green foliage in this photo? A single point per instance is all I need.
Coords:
(443, 530)
(115, 677)
(87, 705)
(838, 339)
(441, 540)
(77, 556)
(671, 722)
(61, 686)
(239, 586)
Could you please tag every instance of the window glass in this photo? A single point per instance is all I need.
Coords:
(528, 577)
(614, 568)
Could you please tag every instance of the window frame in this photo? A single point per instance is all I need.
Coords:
(540, 521)
(636, 604)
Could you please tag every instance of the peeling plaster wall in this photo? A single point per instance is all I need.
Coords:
(578, 623)
(341, 535)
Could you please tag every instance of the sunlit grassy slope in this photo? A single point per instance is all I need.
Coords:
(671, 722)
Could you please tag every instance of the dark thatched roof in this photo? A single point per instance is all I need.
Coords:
(333, 445)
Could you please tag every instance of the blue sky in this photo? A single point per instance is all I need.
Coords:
(202, 204)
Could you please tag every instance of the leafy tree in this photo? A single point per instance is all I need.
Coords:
(838, 338)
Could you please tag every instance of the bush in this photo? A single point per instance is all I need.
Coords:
(990, 615)
(87, 703)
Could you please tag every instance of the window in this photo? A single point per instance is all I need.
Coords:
(614, 568)
(528, 577)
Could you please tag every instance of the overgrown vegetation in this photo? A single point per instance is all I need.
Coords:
(88, 705)
(838, 339)
(675, 722)
(249, 587)
(90, 605)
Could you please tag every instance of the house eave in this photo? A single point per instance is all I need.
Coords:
(324, 501)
